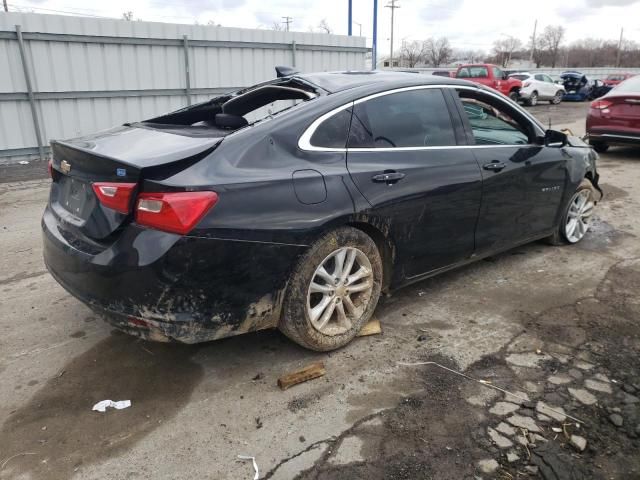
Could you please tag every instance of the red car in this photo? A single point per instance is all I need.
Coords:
(491, 76)
(615, 78)
(615, 118)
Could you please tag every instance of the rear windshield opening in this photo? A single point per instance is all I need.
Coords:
(225, 114)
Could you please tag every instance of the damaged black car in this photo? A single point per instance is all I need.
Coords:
(295, 203)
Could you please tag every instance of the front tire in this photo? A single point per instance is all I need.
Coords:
(513, 95)
(333, 290)
(575, 221)
(533, 99)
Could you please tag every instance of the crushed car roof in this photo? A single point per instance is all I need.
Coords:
(338, 81)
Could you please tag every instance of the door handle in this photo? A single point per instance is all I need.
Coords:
(389, 177)
(495, 166)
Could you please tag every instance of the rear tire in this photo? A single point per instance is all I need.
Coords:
(574, 223)
(333, 290)
(600, 147)
(533, 99)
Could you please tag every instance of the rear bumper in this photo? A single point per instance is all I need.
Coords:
(612, 137)
(167, 287)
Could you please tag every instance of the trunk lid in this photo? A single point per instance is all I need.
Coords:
(119, 155)
(624, 112)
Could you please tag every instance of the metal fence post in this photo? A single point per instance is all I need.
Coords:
(32, 99)
(187, 73)
(293, 53)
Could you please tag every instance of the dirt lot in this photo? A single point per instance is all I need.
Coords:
(558, 327)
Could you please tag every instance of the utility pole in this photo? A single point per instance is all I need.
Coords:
(392, 5)
(374, 43)
(619, 48)
(287, 21)
(350, 17)
(6, 7)
(533, 41)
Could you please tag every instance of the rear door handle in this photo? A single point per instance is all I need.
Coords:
(388, 177)
(495, 166)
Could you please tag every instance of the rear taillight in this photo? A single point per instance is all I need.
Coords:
(601, 104)
(115, 195)
(176, 212)
(50, 168)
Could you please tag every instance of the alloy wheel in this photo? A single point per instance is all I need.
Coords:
(579, 215)
(533, 101)
(339, 291)
(557, 98)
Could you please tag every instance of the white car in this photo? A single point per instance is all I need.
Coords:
(538, 86)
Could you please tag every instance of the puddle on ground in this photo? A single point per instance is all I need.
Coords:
(601, 235)
(61, 432)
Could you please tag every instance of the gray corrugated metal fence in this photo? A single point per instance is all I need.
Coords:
(87, 74)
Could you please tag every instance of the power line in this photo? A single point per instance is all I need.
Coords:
(80, 14)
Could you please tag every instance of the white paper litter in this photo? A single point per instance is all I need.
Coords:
(119, 405)
(23, 162)
(255, 465)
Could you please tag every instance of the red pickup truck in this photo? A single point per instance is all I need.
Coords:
(491, 76)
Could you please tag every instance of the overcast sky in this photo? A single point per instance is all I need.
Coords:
(469, 24)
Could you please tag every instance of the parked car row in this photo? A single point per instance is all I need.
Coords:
(530, 88)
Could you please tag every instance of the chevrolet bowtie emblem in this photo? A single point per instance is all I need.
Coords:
(65, 166)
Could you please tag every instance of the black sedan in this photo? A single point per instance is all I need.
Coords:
(296, 202)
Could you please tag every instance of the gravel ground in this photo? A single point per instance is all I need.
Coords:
(555, 326)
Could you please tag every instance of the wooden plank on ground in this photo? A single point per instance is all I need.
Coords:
(371, 328)
(309, 372)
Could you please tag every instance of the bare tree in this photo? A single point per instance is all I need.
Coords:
(128, 16)
(412, 53)
(437, 51)
(324, 26)
(504, 48)
(550, 42)
(468, 56)
(278, 27)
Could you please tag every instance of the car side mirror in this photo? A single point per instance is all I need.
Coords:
(505, 76)
(554, 138)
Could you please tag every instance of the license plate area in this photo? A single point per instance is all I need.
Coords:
(76, 196)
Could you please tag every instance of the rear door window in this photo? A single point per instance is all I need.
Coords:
(415, 118)
(473, 72)
(492, 126)
(332, 133)
(497, 73)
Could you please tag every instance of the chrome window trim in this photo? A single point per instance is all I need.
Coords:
(304, 142)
